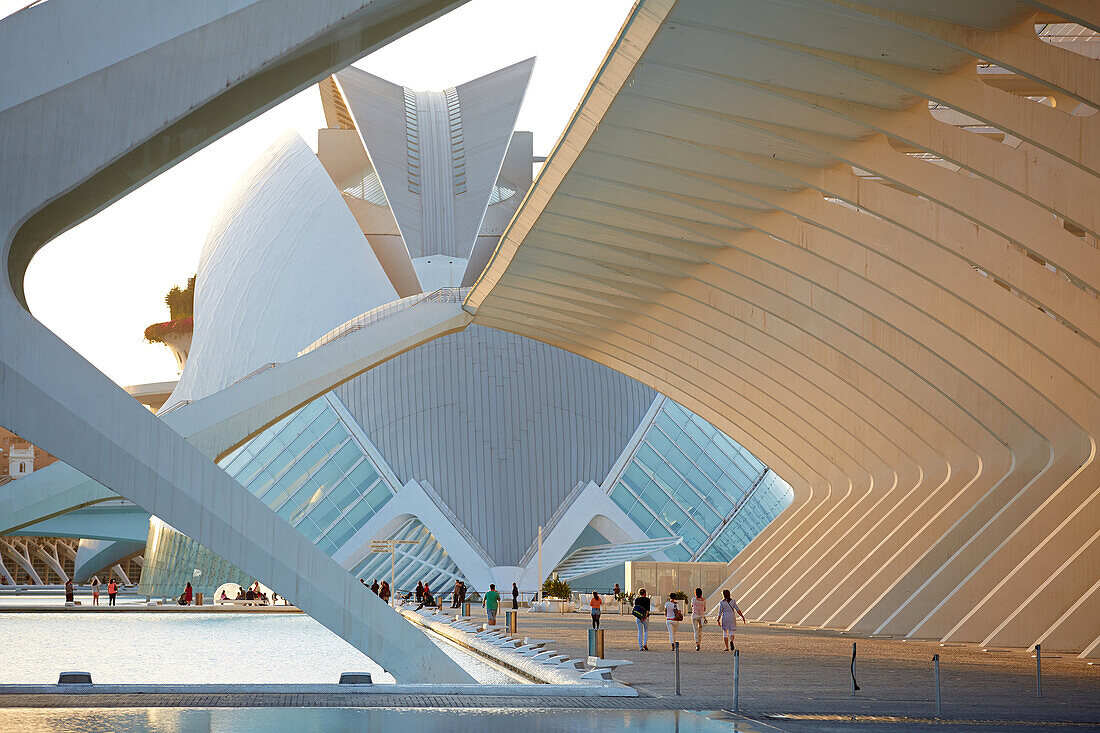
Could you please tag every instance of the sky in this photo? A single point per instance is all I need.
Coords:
(101, 283)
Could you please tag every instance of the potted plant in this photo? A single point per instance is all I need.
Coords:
(556, 593)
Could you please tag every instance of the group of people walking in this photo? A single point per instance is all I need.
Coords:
(726, 616)
(382, 590)
(112, 591)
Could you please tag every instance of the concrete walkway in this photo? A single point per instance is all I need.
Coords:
(791, 680)
(787, 671)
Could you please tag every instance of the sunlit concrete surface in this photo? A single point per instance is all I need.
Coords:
(861, 239)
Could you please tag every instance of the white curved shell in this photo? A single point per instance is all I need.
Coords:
(283, 263)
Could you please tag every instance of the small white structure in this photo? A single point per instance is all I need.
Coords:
(20, 462)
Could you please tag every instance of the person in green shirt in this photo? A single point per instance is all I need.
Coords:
(492, 602)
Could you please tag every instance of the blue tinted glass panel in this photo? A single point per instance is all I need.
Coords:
(359, 515)
(363, 476)
(378, 496)
(324, 514)
(348, 456)
(344, 494)
(341, 533)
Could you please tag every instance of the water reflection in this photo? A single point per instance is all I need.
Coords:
(309, 720)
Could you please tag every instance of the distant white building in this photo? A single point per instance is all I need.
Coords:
(20, 462)
(466, 445)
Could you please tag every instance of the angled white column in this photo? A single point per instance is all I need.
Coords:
(66, 152)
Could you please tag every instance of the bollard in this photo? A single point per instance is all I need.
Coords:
(855, 687)
(74, 678)
(510, 619)
(736, 674)
(355, 678)
(595, 643)
(466, 610)
(936, 661)
(676, 648)
(1038, 670)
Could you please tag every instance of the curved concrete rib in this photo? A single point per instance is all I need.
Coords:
(873, 262)
(95, 556)
(107, 521)
(67, 151)
(48, 492)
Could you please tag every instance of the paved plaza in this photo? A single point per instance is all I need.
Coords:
(786, 670)
(791, 680)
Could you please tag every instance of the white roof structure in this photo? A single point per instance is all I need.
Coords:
(437, 154)
(860, 238)
(283, 262)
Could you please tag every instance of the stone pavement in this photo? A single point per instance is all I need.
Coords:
(791, 680)
(786, 671)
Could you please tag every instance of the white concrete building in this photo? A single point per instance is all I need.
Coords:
(467, 444)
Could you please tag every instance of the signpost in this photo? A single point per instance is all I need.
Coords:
(390, 546)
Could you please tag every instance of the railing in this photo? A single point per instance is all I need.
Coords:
(258, 370)
(382, 312)
(174, 407)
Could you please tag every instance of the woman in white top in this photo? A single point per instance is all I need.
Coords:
(726, 618)
(95, 591)
(698, 615)
(672, 611)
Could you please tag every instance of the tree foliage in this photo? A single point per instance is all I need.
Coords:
(181, 306)
(555, 588)
(181, 303)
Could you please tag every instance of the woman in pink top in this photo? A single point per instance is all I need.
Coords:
(698, 615)
(672, 610)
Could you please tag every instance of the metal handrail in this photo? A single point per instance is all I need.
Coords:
(382, 312)
(258, 370)
(176, 406)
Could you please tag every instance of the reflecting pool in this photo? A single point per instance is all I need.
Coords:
(266, 720)
(188, 648)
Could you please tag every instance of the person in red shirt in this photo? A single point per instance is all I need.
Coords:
(112, 591)
(595, 603)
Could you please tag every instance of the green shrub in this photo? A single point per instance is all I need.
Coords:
(555, 588)
(679, 595)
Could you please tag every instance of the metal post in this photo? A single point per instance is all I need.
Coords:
(736, 675)
(936, 661)
(855, 687)
(1038, 670)
(676, 648)
(393, 564)
(540, 564)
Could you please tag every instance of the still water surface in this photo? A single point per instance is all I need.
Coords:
(187, 648)
(217, 720)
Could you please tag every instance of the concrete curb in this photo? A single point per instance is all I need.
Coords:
(567, 672)
(568, 690)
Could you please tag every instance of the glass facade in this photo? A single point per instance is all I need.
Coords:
(425, 561)
(172, 560)
(771, 496)
(311, 471)
(689, 479)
